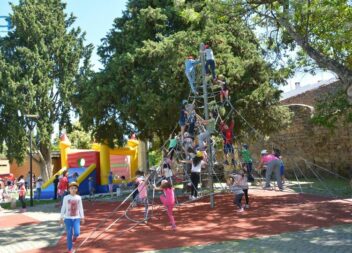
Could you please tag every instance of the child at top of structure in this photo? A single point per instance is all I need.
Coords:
(272, 164)
(247, 161)
(72, 215)
(209, 61)
(235, 184)
(228, 136)
(210, 129)
(224, 92)
(190, 71)
(142, 196)
(183, 118)
(172, 145)
(168, 200)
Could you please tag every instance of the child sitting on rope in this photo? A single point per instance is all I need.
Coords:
(227, 132)
(168, 200)
(235, 184)
(190, 71)
(209, 61)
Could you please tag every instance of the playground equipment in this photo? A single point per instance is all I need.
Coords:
(96, 163)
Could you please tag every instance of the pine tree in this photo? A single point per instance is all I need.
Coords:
(39, 63)
(143, 82)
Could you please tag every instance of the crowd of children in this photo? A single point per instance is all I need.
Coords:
(193, 146)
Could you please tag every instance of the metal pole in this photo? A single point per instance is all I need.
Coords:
(31, 124)
(30, 166)
(206, 117)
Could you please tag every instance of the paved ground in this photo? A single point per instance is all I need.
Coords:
(336, 239)
(276, 222)
(37, 228)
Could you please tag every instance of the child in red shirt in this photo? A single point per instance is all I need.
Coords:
(227, 132)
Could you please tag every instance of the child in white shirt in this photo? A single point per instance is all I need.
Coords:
(72, 214)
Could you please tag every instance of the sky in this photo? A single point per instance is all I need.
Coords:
(95, 17)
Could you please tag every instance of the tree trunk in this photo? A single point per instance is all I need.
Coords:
(46, 163)
(324, 62)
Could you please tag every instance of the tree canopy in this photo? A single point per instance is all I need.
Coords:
(143, 82)
(321, 29)
(40, 66)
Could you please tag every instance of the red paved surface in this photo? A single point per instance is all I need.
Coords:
(198, 224)
(15, 220)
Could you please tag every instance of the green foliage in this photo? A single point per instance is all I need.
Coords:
(322, 28)
(40, 65)
(333, 109)
(79, 138)
(143, 82)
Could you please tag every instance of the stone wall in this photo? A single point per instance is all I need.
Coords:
(303, 140)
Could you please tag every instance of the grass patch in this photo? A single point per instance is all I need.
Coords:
(328, 187)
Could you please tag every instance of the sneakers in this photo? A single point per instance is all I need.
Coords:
(226, 162)
(192, 197)
(173, 227)
(240, 210)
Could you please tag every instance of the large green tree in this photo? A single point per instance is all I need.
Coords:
(322, 31)
(143, 82)
(40, 65)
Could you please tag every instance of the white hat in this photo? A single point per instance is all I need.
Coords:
(264, 152)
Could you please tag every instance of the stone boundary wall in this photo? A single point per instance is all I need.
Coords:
(304, 140)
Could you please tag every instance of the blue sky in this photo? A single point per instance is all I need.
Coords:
(95, 17)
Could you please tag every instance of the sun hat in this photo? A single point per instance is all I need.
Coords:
(73, 184)
(264, 152)
(199, 154)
